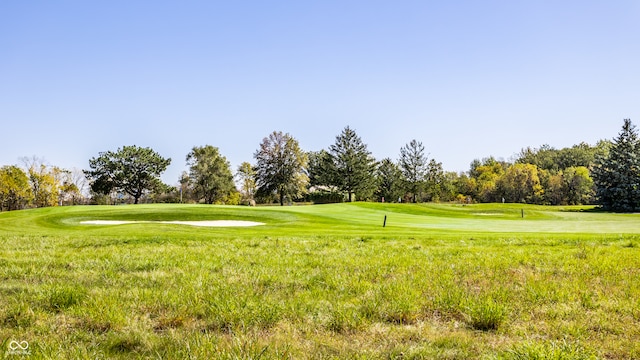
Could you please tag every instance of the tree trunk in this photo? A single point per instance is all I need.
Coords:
(281, 198)
(137, 195)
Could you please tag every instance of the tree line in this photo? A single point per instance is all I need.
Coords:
(38, 184)
(607, 174)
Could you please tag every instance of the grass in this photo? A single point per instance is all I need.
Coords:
(439, 281)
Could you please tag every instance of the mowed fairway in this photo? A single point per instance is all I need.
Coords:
(325, 281)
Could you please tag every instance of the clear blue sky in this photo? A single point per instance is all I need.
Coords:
(469, 79)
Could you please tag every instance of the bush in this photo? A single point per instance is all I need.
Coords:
(324, 197)
(233, 198)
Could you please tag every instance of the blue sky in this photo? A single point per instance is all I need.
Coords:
(468, 79)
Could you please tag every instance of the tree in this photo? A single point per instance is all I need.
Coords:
(577, 185)
(389, 178)
(321, 169)
(413, 164)
(617, 175)
(46, 181)
(353, 166)
(209, 174)
(466, 187)
(75, 187)
(448, 187)
(46, 185)
(280, 167)
(15, 191)
(247, 177)
(521, 184)
(184, 187)
(580, 155)
(131, 169)
(486, 174)
(69, 191)
(163, 193)
(548, 158)
(554, 189)
(434, 180)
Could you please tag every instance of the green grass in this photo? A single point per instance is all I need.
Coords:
(327, 281)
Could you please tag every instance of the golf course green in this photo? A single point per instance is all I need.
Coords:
(359, 280)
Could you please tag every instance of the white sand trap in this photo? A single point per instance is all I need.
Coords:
(106, 222)
(208, 223)
(216, 223)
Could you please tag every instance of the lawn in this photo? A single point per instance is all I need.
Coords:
(444, 281)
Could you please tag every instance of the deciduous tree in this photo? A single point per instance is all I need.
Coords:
(521, 184)
(553, 160)
(46, 181)
(578, 185)
(280, 167)
(15, 191)
(209, 174)
(486, 174)
(247, 177)
(76, 187)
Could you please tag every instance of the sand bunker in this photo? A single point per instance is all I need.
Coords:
(106, 222)
(207, 223)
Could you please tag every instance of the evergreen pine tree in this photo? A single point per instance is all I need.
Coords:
(353, 166)
(389, 178)
(617, 175)
(413, 163)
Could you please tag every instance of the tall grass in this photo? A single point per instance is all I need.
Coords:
(306, 290)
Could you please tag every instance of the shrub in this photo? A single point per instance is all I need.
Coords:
(325, 197)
